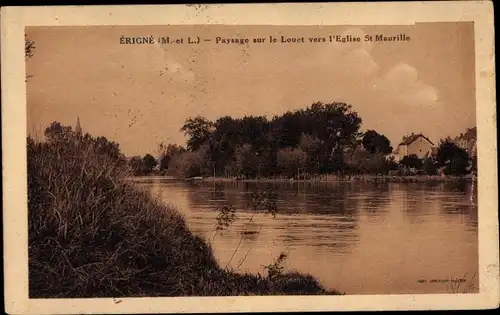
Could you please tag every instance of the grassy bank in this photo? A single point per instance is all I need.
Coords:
(92, 233)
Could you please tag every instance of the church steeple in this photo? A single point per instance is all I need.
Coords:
(78, 128)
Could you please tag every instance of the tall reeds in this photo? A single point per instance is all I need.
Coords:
(93, 233)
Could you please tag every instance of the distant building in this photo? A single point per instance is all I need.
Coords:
(78, 131)
(78, 128)
(467, 141)
(416, 144)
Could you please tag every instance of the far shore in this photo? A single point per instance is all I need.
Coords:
(324, 179)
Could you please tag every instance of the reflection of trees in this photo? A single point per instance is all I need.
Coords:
(457, 186)
(205, 195)
(323, 232)
(291, 198)
(452, 199)
(415, 202)
(334, 202)
(457, 203)
(376, 197)
(328, 214)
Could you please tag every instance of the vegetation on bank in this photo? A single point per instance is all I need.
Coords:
(356, 178)
(92, 233)
(321, 139)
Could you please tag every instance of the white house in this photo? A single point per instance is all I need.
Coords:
(416, 144)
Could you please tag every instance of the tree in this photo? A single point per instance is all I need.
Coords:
(291, 161)
(320, 132)
(246, 161)
(374, 142)
(430, 166)
(149, 163)
(355, 157)
(198, 130)
(137, 166)
(110, 148)
(253, 130)
(164, 161)
(454, 159)
(359, 161)
(166, 152)
(376, 163)
(392, 164)
(56, 133)
(313, 149)
(223, 141)
(188, 164)
(69, 142)
(335, 124)
(411, 161)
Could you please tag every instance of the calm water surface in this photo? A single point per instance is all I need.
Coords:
(359, 238)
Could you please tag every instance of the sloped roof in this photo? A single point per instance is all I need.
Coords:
(410, 139)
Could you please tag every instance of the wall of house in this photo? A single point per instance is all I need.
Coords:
(419, 147)
(403, 151)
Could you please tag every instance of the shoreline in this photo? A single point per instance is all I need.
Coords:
(324, 179)
(372, 179)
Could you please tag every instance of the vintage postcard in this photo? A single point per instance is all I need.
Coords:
(249, 157)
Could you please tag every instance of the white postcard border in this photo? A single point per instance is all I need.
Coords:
(14, 20)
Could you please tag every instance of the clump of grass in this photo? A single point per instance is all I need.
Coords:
(276, 268)
(92, 233)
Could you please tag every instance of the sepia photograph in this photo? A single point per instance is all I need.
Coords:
(233, 160)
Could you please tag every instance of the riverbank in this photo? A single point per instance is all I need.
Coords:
(359, 178)
(92, 233)
(323, 179)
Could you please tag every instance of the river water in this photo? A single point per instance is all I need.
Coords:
(359, 238)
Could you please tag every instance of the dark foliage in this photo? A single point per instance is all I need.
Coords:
(310, 140)
(454, 159)
(374, 142)
(149, 163)
(412, 161)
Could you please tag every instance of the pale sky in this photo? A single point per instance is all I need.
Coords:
(140, 95)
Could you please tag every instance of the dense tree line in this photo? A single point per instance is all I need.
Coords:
(65, 139)
(323, 138)
(291, 145)
(320, 139)
(304, 141)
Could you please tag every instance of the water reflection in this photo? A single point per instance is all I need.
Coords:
(357, 237)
